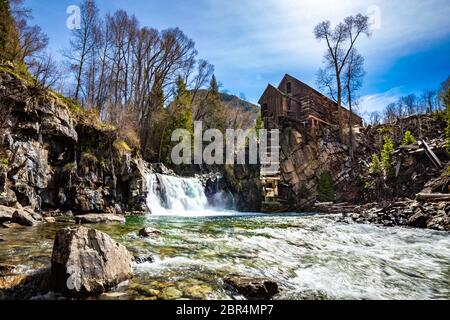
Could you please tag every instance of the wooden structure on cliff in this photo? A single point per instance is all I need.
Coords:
(296, 102)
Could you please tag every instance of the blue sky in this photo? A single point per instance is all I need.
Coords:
(255, 42)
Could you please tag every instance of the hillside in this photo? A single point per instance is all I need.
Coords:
(240, 113)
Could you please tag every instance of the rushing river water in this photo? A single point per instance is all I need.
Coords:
(310, 256)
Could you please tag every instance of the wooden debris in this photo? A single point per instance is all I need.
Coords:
(433, 197)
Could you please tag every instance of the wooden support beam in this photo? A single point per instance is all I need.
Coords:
(431, 154)
(433, 197)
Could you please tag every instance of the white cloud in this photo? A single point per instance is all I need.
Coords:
(378, 101)
(276, 36)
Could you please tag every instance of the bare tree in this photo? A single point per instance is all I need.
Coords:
(32, 40)
(409, 104)
(340, 42)
(46, 71)
(82, 42)
(375, 118)
(428, 101)
(390, 113)
(353, 75)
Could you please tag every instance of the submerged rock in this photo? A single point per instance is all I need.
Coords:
(87, 261)
(143, 259)
(149, 232)
(94, 218)
(6, 269)
(170, 293)
(26, 217)
(253, 288)
(15, 285)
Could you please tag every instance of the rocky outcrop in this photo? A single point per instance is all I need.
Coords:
(417, 214)
(253, 288)
(304, 157)
(87, 261)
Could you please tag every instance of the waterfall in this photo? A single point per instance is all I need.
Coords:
(168, 195)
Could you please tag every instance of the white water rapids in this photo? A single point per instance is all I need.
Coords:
(309, 256)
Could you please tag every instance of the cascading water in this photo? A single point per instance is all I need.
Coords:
(168, 195)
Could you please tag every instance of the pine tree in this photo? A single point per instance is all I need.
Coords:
(375, 165)
(325, 188)
(387, 156)
(446, 99)
(215, 105)
(9, 38)
(178, 116)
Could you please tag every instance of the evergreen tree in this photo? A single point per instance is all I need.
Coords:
(215, 105)
(387, 156)
(178, 116)
(375, 165)
(9, 38)
(446, 100)
(325, 188)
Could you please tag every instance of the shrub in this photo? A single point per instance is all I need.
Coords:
(408, 138)
(375, 165)
(325, 188)
(387, 156)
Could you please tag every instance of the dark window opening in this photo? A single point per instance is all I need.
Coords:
(289, 104)
(288, 88)
(264, 109)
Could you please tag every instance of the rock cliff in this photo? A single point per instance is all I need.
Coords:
(56, 156)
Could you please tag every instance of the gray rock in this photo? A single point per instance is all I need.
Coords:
(253, 288)
(26, 218)
(149, 232)
(87, 261)
(6, 213)
(94, 218)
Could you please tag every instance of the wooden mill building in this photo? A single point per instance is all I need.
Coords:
(296, 100)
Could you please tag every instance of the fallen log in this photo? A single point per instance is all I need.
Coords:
(433, 197)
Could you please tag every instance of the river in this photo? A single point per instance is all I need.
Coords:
(311, 256)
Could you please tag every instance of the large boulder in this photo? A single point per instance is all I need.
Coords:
(253, 288)
(87, 261)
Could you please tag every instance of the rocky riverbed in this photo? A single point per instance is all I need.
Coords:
(307, 256)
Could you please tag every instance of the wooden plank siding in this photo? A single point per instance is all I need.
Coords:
(294, 99)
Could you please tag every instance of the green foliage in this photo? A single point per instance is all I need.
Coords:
(259, 124)
(408, 138)
(215, 105)
(375, 165)
(70, 167)
(88, 159)
(387, 156)
(9, 38)
(4, 161)
(325, 188)
(446, 99)
(178, 116)
(121, 147)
